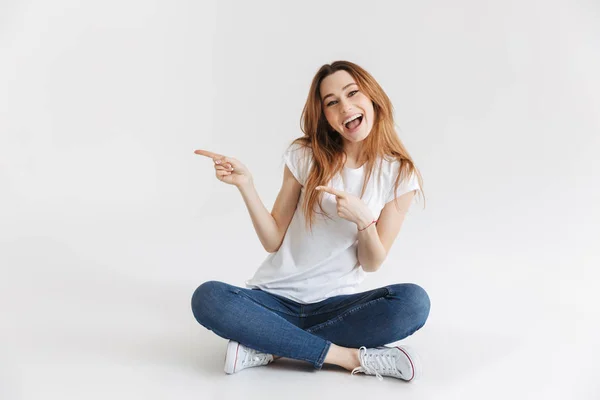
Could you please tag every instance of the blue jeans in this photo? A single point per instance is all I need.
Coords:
(277, 325)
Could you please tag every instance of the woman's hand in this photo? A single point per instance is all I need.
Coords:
(228, 169)
(350, 207)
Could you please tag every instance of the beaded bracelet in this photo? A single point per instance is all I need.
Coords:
(368, 225)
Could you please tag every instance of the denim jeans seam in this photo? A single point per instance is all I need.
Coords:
(323, 355)
(342, 316)
(262, 305)
(342, 306)
(389, 291)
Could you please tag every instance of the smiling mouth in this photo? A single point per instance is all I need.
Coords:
(355, 123)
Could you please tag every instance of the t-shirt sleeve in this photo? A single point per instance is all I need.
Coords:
(297, 158)
(406, 185)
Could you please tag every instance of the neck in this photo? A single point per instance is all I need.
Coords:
(353, 152)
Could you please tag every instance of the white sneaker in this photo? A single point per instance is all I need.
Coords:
(399, 362)
(239, 357)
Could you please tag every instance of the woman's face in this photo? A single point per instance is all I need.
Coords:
(342, 99)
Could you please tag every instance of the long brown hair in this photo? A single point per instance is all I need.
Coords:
(327, 145)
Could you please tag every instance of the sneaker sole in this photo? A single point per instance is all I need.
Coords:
(231, 356)
(415, 361)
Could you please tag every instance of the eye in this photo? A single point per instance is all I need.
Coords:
(349, 95)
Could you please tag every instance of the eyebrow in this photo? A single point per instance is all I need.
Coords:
(344, 88)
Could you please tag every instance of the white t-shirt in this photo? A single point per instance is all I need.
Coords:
(312, 266)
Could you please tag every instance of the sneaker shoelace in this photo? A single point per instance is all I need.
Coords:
(253, 358)
(377, 362)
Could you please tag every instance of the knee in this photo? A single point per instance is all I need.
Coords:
(205, 298)
(414, 301)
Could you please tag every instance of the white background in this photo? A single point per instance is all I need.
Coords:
(108, 221)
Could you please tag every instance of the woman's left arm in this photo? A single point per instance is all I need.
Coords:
(375, 242)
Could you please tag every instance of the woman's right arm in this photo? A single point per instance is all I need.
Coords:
(271, 227)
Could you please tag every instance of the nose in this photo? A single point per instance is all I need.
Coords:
(346, 106)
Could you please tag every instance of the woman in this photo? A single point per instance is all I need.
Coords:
(302, 302)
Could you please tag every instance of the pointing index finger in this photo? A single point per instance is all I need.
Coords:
(333, 191)
(207, 153)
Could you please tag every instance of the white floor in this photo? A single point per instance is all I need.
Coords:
(94, 316)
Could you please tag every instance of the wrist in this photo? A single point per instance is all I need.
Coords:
(242, 187)
(363, 226)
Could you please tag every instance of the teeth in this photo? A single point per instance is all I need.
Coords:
(352, 118)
